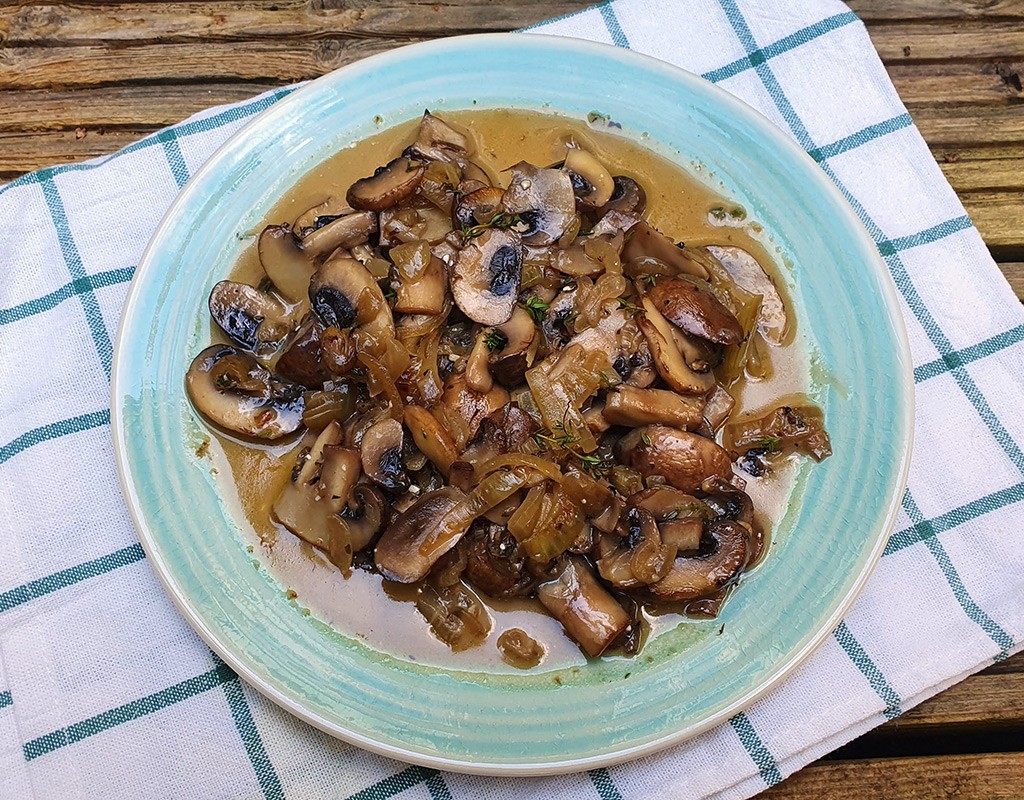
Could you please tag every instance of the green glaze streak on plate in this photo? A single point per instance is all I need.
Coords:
(822, 553)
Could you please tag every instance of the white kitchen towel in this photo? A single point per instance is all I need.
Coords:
(106, 692)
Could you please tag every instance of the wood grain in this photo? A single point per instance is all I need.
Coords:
(979, 701)
(995, 776)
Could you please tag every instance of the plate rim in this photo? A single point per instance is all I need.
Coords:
(237, 661)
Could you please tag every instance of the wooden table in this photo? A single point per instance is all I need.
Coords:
(86, 78)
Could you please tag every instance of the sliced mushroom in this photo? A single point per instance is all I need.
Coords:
(478, 207)
(667, 359)
(399, 553)
(431, 438)
(478, 372)
(232, 389)
(496, 564)
(544, 201)
(684, 459)
(321, 214)
(510, 359)
(344, 294)
(301, 360)
(465, 410)
(426, 293)
(363, 515)
(438, 140)
(628, 197)
(592, 182)
(630, 406)
(641, 558)
(321, 483)
(589, 614)
(645, 241)
(696, 310)
(252, 319)
(751, 276)
(381, 450)
(348, 231)
(696, 576)
(388, 186)
(485, 281)
(680, 516)
(285, 262)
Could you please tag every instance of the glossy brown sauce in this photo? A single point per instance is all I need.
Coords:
(680, 204)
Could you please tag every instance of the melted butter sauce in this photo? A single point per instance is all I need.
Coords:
(679, 203)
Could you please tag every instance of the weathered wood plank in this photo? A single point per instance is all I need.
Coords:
(1014, 272)
(193, 62)
(980, 169)
(81, 24)
(869, 10)
(141, 106)
(974, 40)
(949, 82)
(980, 701)
(970, 125)
(74, 23)
(999, 217)
(994, 776)
(24, 152)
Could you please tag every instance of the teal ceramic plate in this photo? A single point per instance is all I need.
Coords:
(527, 723)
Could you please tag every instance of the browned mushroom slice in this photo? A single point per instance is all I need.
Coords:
(680, 516)
(544, 201)
(422, 279)
(628, 197)
(485, 281)
(465, 410)
(801, 427)
(432, 439)
(388, 186)
(512, 348)
(641, 558)
(232, 389)
(381, 450)
(478, 372)
(301, 360)
(438, 140)
(399, 553)
(696, 310)
(344, 294)
(751, 277)
(667, 359)
(286, 264)
(252, 319)
(347, 231)
(496, 564)
(592, 182)
(321, 483)
(684, 459)
(646, 241)
(589, 614)
(630, 406)
(701, 575)
(321, 214)
(362, 517)
(478, 207)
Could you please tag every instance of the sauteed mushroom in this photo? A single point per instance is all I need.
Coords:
(233, 390)
(510, 384)
(252, 319)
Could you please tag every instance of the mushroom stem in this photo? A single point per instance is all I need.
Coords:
(589, 614)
